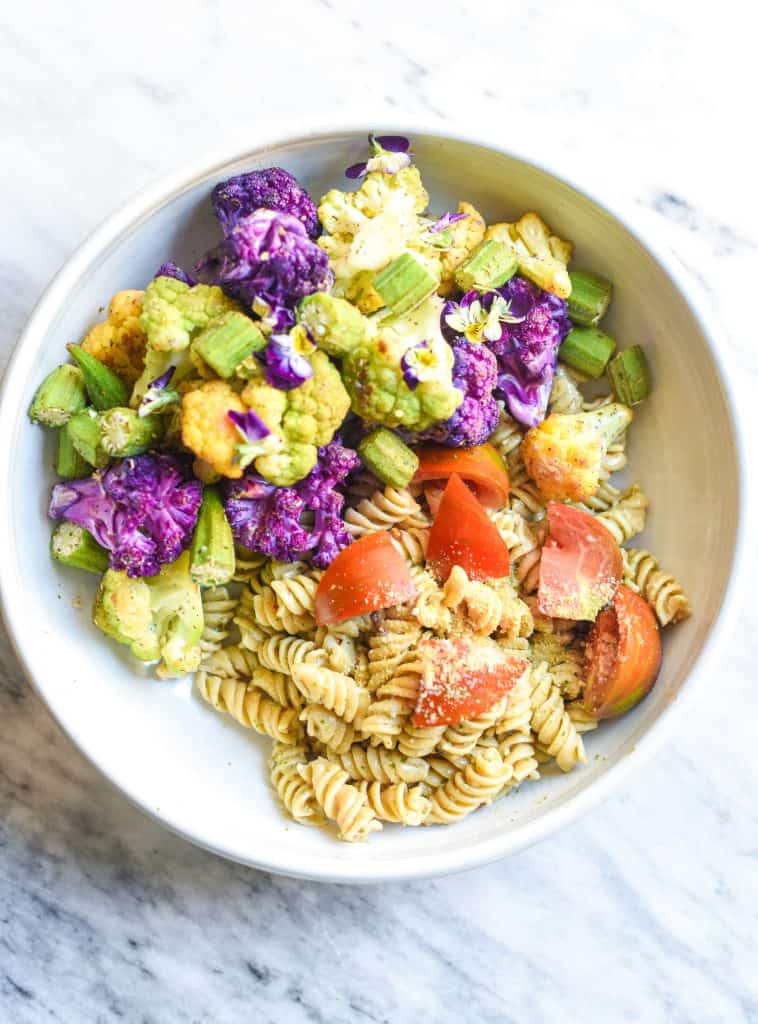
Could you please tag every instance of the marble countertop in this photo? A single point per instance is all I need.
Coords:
(647, 910)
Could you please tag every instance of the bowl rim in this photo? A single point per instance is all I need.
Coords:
(129, 216)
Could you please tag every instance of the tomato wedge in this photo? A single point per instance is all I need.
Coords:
(481, 467)
(463, 534)
(367, 576)
(462, 678)
(623, 655)
(580, 567)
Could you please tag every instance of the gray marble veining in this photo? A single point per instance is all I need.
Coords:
(645, 911)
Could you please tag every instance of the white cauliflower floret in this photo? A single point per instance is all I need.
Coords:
(542, 256)
(466, 235)
(368, 228)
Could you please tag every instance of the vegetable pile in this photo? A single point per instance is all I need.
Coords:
(362, 346)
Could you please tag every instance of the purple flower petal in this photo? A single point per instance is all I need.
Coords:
(170, 269)
(285, 367)
(445, 221)
(409, 365)
(249, 424)
(392, 143)
(357, 170)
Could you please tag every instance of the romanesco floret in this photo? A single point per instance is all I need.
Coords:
(172, 311)
(305, 418)
(159, 617)
(466, 235)
(564, 454)
(368, 228)
(542, 256)
(172, 314)
(404, 376)
(119, 341)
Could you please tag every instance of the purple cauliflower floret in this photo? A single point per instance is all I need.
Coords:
(170, 269)
(527, 352)
(270, 189)
(267, 256)
(268, 519)
(475, 374)
(143, 510)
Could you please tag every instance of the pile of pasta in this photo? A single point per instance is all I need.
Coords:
(337, 700)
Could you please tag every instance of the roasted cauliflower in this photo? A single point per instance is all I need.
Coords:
(542, 256)
(564, 454)
(119, 341)
(467, 234)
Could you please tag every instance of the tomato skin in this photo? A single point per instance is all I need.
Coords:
(581, 564)
(367, 576)
(463, 534)
(462, 678)
(623, 654)
(481, 467)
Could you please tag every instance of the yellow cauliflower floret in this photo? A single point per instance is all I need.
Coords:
(206, 428)
(564, 454)
(119, 341)
(467, 234)
(542, 256)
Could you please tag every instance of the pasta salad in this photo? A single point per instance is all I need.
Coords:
(352, 472)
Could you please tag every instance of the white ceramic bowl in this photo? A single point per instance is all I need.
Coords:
(194, 769)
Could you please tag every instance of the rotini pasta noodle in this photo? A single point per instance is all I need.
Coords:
(218, 611)
(284, 653)
(247, 564)
(379, 765)
(235, 662)
(384, 721)
(397, 802)
(661, 590)
(271, 613)
(323, 725)
(478, 783)
(513, 734)
(337, 692)
(384, 509)
(295, 793)
(340, 802)
(278, 686)
(418, 741)
(554, 730)
(627, 517)
(340, 649)
(411, 543)
(250, 707)
(565, 396)
(564, 660)
(507, 437)
(459, 740)
(583, 721)
(297, 594)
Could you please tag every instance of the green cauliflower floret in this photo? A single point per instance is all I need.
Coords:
(375, 379)
(157, 616)
(368, 228)
(305, 418)
(172, 314)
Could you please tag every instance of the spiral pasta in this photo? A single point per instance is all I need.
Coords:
(507, 437)
(564, 660)
(411, 543)
(513, 734)
(627, 517)
(340, 802)
(295, 793)
(218, 611)
(337, 692)
(398, 802)
(378, 765)
(661, 590)
(555, 732)
(250, 707)
(284, 653)
(394, 506)
(479, 782)
(324, 725)
(457, 741)
(565, 396)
